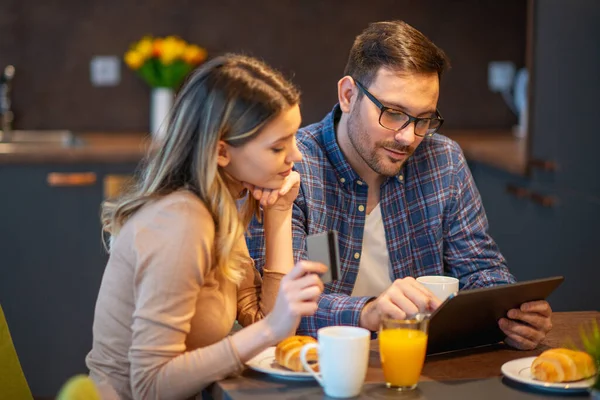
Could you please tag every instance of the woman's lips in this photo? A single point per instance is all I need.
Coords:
(286, 173)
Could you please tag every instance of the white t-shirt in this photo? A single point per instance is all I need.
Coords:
(374, 268)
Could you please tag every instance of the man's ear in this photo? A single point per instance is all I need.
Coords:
(223, 154)
(347, 92)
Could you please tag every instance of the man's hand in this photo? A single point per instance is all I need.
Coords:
(528, 325)
(404, 297)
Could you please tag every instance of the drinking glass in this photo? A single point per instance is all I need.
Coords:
(402, 348)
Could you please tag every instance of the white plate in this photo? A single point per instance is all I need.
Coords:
(265, 363)
(520, 371)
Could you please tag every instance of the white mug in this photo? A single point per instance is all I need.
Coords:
(441, 286)
(343, 359)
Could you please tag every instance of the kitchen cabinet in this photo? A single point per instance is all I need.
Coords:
(564, 92)
(546, 222)
(545, 240)
(52, 261)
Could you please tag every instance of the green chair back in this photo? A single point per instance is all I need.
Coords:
(13, 384)
(78, 387)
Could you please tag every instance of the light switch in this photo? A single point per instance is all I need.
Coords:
(501, 75)
(105, 71)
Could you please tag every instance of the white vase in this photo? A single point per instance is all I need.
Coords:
(161, 102)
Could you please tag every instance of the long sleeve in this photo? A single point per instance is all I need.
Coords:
(174, 253)
(256, 296)
(334, 308)
(469, 252)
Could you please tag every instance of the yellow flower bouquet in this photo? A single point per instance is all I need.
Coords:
(163, 62)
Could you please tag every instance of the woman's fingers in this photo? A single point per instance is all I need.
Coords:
(273, 196)
(304, 267)
(268, 197)
(257, 193)
(310, 293)
(302, 284)
(295, 286)
(306, 308)
(292, 180)
(264, 200)
(309, 280)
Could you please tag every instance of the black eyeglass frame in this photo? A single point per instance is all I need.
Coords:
(411, 119)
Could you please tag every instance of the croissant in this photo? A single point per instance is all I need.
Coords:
(563, 365)
(287, 353)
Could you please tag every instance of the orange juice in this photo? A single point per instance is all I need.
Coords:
(402, 355)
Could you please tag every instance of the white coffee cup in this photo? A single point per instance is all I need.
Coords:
(441, 286)
(343, 359)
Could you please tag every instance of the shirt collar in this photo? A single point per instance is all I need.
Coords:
(344, 171)
(346, 174)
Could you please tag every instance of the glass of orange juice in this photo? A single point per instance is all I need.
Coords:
(402, 348)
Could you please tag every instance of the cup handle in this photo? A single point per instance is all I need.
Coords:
(307, 367)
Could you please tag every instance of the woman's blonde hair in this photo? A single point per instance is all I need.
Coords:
(229, 98)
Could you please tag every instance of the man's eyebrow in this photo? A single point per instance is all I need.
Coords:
(400, 107)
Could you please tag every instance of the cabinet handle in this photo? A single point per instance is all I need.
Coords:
(523, 193)
(116, 185)
(544, 201)
(517, 191)
(71, 179)
(544, 165)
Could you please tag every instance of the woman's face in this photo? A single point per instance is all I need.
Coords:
(266, 160)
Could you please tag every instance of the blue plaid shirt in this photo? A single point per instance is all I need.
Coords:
(432, 214)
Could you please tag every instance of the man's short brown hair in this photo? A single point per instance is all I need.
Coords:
(395, 45)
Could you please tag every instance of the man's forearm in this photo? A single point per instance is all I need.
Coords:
(334, 309)
(498, 275)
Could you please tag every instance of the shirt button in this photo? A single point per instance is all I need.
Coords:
(361, 208)
(342, 180)
(400, 178)
(359, 182)
(357, 255)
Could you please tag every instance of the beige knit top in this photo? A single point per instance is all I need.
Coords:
(163, 312)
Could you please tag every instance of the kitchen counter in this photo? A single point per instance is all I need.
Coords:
(96, 147)
(497, 148)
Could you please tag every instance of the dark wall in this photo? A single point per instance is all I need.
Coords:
(51, 44)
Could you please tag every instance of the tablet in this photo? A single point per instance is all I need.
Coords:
(469, 318)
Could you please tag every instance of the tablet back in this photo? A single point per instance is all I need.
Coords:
(470, 318)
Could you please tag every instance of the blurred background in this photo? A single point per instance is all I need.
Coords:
(520, 99)
(53, 43)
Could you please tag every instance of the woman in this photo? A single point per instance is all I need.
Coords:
(179, 273)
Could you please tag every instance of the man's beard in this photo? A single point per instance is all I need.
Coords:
(379, 163)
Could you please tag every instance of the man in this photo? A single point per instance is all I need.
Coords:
(401, 197)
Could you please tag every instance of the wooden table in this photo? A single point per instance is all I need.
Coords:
(470, 374)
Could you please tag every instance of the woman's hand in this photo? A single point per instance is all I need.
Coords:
(280, 199)
(299, 292)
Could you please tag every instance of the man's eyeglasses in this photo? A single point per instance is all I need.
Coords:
(396, 120)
